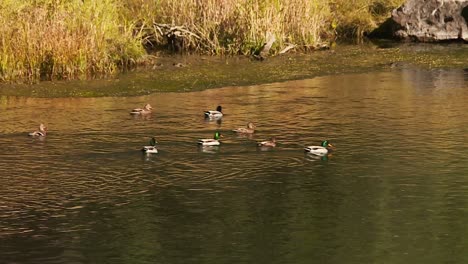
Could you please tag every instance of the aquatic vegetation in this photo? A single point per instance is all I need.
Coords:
(205, 72)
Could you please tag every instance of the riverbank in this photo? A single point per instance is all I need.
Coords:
(66, 40)
(194, 72)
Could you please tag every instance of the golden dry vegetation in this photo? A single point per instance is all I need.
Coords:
(66, 39)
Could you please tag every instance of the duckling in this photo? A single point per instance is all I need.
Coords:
(151, 149)
(250, 129)
(211, 141)
(269, 143)
(324, 148)
(142, 111)
(42, 132)
(214, 114)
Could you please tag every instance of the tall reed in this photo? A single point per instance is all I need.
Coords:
(240, 26)
(49, 39)
(64, 39)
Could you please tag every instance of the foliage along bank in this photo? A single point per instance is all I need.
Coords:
(60, 39)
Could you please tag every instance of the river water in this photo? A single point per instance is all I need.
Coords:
(395, 190)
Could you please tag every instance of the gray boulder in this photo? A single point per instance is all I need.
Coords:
(427, 21)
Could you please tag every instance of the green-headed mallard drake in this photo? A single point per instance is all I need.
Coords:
(321, 150)
(250, 129)
(151, 148)
(142, 111)
(214, 114)
(211, 141)
(269, 143)
(42, 132)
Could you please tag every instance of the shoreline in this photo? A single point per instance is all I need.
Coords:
(186, 73)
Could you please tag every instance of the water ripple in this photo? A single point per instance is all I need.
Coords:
(396, 145)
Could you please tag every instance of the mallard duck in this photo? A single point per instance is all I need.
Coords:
(321, 150)
(250, 129)
(211, 141)
(214, 114)
(151, 148)
(142, 111)
(269, 143)
(39, 133)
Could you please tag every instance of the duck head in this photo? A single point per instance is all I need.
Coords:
(326, 144)
(153, 141)
(251, 125)
(148, 107)
(42, 128)
(217, 136)
(219, 108)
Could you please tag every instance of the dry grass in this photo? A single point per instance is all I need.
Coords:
(354, 17)
(240, 26)
(48, 39)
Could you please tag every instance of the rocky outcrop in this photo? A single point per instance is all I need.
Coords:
(428, 21)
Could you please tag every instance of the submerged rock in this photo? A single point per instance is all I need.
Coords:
(427, 21)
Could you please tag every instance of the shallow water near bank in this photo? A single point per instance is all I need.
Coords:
(188, 73)
(393, 191)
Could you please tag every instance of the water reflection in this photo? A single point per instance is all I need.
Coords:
(86, 193)
(217, 121)
(424, 80)
(313, 157)
(209, 149)
(142, 117)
